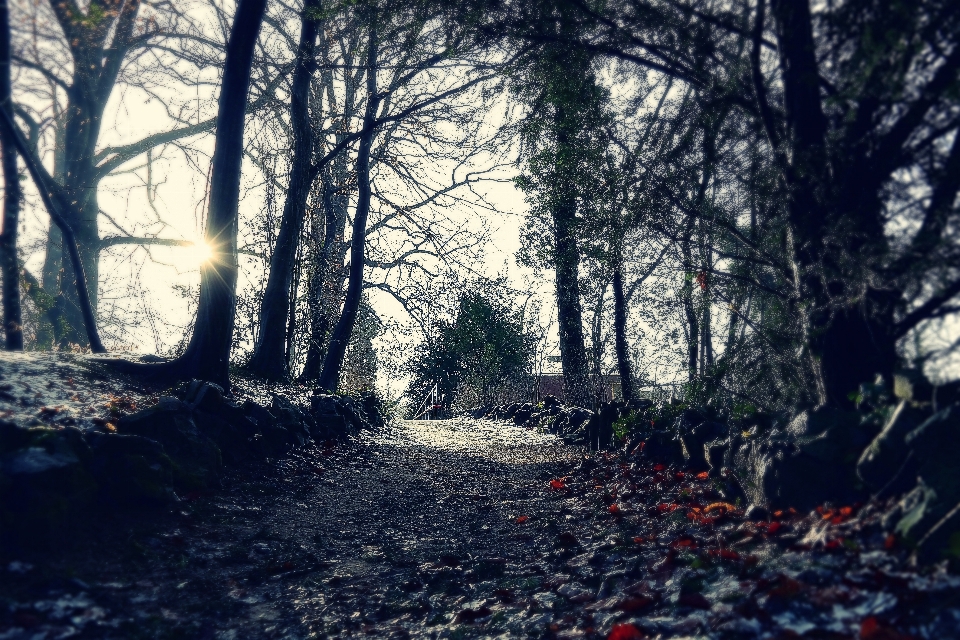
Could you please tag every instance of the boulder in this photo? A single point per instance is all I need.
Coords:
(131, 470)
(44, 477)
(197, 459)
(694, 431)
(663, 446)
(927, 516)
(887, 458)
(809, 462)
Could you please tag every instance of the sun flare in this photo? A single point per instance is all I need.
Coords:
(201, 252)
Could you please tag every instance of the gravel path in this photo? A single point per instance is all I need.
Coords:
(401, 533)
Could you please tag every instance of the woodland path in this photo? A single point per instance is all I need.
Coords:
(394, 533)
(467, 529)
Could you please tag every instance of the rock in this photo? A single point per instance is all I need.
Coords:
(197, 458)
(717, 455)
(811, 461)
(927, 516)
(260, 415)
(883, 459)
(44, 478)
(290, 418)
(663, 446)
(694, 431)
(132, 470)
(756, 512)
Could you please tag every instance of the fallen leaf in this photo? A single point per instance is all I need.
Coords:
(625, 632)
(659, 467)
(522, 519)
(725, 506)
(614, 509)
(703, 475)
(873, 629)
(557, 484)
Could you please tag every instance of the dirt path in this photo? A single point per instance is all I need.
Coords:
(462, 529)
(397, 533)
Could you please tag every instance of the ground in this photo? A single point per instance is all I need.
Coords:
(467, 528)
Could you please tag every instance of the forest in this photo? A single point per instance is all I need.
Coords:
(728, 232)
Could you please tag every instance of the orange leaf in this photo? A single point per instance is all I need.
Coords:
(625, 632)
(726, 506)
(703, 475)
(846, 511)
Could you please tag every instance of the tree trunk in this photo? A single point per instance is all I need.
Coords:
(326, 280)
(269, 355)
(12, 319)
(686, 300)
(620, 334)
(850, 344)
(573, 352)
(333, 362)
(208, 354)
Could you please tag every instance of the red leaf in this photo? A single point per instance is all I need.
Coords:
(679, 475)
(625, 632)
(557, 484)
(872, 629)
(614, 509)
(522, 519)
(890, 542)
(659, 467)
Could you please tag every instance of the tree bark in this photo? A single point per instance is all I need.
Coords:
(208, 355)
(573, 351)
(269, 355)
(849, 342)
(620, 335)
(12, 318)
(333, 362)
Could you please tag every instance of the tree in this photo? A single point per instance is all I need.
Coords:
(564, 135)
(482, 356)
(9, 261)
(207, 355)
(270, 353)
